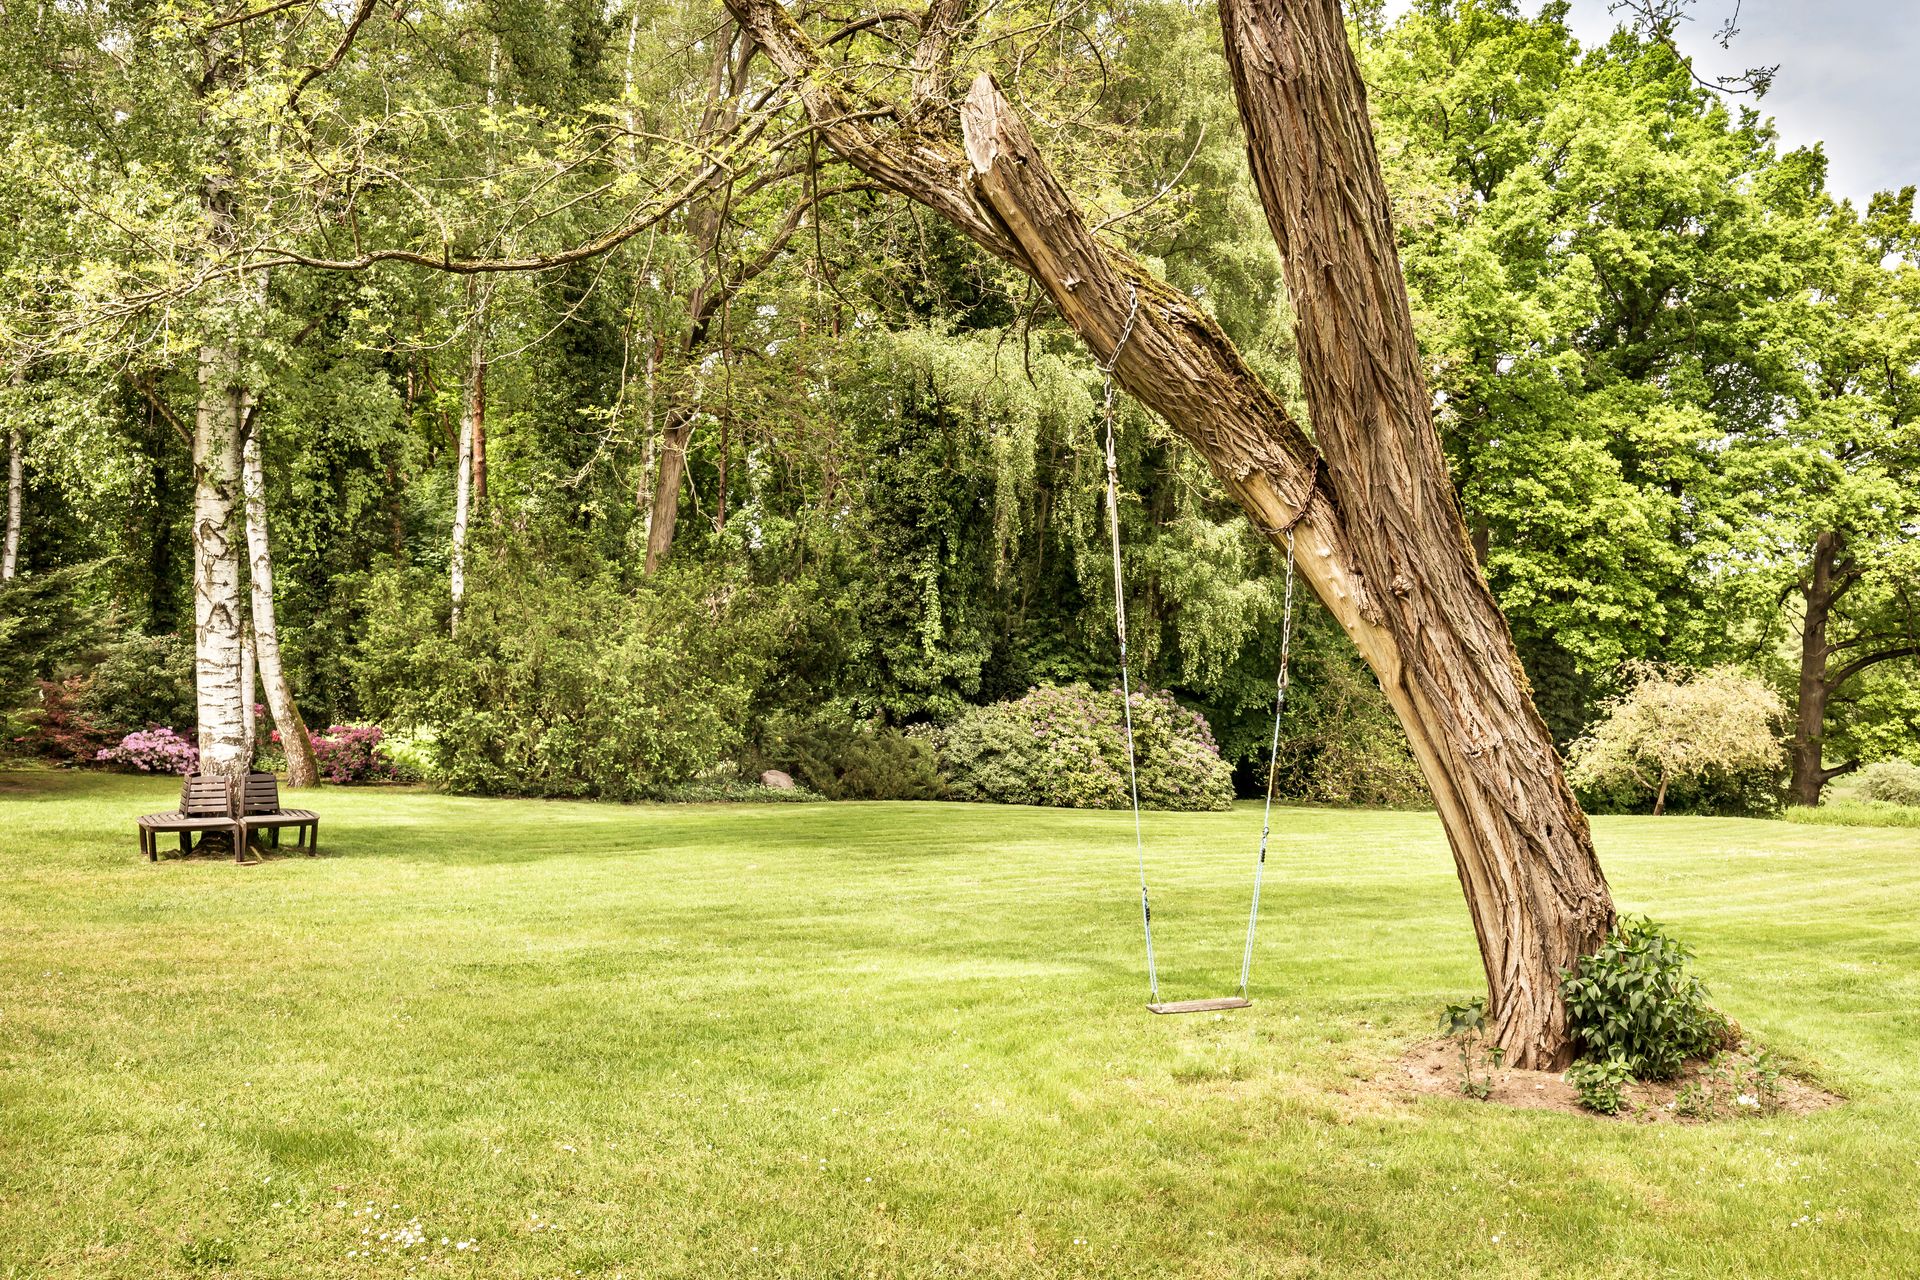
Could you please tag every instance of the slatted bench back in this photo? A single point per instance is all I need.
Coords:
(262, 794)
(204, 796)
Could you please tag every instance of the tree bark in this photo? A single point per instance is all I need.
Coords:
(1383, 547)
(1809, 774)
(1831, 575)
(672, 464)
(16, 491)
(303, 770)
(479, 414)
(1521, 845)
(470, 466)
(217, 625)
(462, 499)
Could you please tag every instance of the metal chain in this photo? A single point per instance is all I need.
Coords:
(1273, 765)
(1120, 630)
(1126, 692)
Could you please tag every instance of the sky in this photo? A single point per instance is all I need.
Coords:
(1849, 75)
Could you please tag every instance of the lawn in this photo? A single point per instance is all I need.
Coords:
(890, 1040)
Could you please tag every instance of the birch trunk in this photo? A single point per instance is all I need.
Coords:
(16, 492)
(302, 769)
(217, 621)
(462, 497)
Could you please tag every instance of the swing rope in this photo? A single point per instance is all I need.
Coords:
(1281, 682)
(1273, 766)
(1120, 629)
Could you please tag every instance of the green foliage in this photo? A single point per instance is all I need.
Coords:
(1066, 746)
(1736, 1082)
(46, 621)
(844, 759)
(1854, 813)
(1891, 782)
(1602, 1083)
(1715, 731)
(567, 684)
(142, 681)
(1466, 1025)
(1637, 998)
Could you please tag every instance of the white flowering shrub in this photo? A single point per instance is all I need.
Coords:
(1716, 730)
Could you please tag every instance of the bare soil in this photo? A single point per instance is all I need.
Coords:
(1434, 1068)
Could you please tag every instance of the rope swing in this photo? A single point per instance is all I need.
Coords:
(1154, 1003)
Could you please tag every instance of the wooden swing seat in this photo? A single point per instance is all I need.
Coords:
(1201, 1006)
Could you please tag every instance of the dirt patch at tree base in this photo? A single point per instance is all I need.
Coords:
(1433, 1069)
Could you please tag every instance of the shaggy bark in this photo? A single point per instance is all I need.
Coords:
(302, 769)
(1433, 636)
(1520, 842)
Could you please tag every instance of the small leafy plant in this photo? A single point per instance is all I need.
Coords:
(1602, 1083)
(1466, 1025)
(1735, 1083)
(1637, 999)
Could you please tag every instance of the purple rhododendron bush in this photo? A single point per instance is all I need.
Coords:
(351, 753)
(152, 751)
(1066, 746)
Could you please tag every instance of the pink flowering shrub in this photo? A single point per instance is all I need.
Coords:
(152, 751)
(350, 753)
(1066, 746)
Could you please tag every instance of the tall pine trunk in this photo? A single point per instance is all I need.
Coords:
(1521, 846)
(302, 769)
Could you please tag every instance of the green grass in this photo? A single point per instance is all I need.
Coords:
(890, 1040)
(1855, 813)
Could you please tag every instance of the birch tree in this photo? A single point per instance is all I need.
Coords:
(302, 769)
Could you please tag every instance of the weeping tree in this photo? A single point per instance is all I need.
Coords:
(1368, 501)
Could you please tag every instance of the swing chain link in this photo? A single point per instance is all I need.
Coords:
(1126, 685)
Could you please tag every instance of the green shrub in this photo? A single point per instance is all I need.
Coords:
(567, 684)
(1891, 782)
(1703, 741)
(140, 682)
(1602, 1083)
(1636, 999)
(846, 759)
(1066, 746)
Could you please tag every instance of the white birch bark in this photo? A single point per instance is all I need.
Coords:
(217, 623)
(16, 486)
(302, 769)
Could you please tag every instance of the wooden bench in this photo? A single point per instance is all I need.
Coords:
(205, 805)
(260, 811)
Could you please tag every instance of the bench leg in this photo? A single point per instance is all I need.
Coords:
(313, 839)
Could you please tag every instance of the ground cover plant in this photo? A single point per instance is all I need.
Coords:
(679, 1041)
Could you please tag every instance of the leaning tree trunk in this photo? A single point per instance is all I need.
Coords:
(1520, 842)
(303, 770)
(217, 625)
(16, 486)
(1398, 578)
